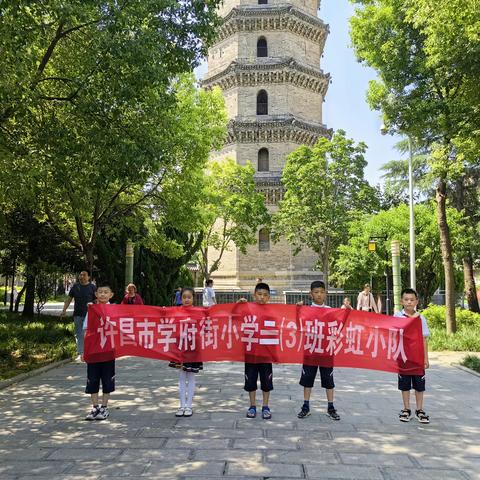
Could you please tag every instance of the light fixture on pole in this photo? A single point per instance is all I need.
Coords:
(413, 278)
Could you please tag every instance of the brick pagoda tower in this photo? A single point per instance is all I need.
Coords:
(266, 60)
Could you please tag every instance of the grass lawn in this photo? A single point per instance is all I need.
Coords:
(472, 362)
(26, 344)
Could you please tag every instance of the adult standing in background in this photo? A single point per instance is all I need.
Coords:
(365, 300)
(83, 293)
(178, 297)
(132, 297)
(209, 294)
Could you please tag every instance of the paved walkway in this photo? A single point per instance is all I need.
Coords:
(43, 434)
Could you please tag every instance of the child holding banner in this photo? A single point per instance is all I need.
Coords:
(100, 371)
(318, 293)
(409, 302)
(186, 382)
(261, 296)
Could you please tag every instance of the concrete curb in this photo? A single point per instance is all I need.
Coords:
(33, 373)
(466, 369)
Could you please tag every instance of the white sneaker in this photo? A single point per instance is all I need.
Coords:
(180, 412)
(188, 412)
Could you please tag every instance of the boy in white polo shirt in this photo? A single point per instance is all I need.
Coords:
(318, 293)
(409, 303)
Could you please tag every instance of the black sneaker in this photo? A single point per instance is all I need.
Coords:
(332, 413)
(405, 415)
(103, 413)
(422, 417)
(92, 415)
(304, 412)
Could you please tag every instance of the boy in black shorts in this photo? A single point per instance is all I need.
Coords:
(318, 293)
(100, 371)
(262, 370)
(409, 302)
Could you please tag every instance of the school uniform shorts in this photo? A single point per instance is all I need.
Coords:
(309, 372)
(255, 370)
(407, 382)
(100, 372)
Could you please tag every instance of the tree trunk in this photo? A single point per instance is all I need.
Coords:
(447, 258)
(14, 271)
(88, 253)
(19, 298)
(470, 287)
(28, 306)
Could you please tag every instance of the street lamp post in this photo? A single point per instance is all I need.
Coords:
(372, 247)
(413, 279)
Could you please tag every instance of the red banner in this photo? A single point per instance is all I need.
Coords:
(248, 332)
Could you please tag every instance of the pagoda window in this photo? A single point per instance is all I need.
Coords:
(263, 160)
(262, 103)
(262, 47)
(264, 240)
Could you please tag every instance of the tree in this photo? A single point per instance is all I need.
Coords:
(355, 263)
(426, 88)
(95, 113)
(33, 245)
(232, 212)
(465, 198)
(324, 188)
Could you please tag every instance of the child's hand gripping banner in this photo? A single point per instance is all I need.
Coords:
(249, 332)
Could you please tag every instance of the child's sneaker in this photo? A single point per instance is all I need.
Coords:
(266, 413)
(103, 413)
(405, 415)
(304, 412)
(422, 417)
(332, 413)
(92, 415)
(251, 412)
(188, 412)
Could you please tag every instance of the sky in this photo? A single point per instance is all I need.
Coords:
(345, 104)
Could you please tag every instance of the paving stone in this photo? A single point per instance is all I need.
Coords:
(375, 459)
(142, 454)
(301, 456)
(16, 453)
(197, 443)
(423, 474)
(285, 443)
(148, 441)
(266, 470)
(231, 455)
(102, 467)
(194, 467)
(36, 467)
(343, 471)
(84, 454)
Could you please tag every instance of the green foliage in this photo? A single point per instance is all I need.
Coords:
(355, 264)
(231, 210)
(472, 362)
(95, 111)
(436, 317)
(466, 338)
(26, 344)
(324, 189)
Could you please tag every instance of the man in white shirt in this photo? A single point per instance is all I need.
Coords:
(209, 294)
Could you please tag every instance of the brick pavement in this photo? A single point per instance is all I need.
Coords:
(43, 434)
